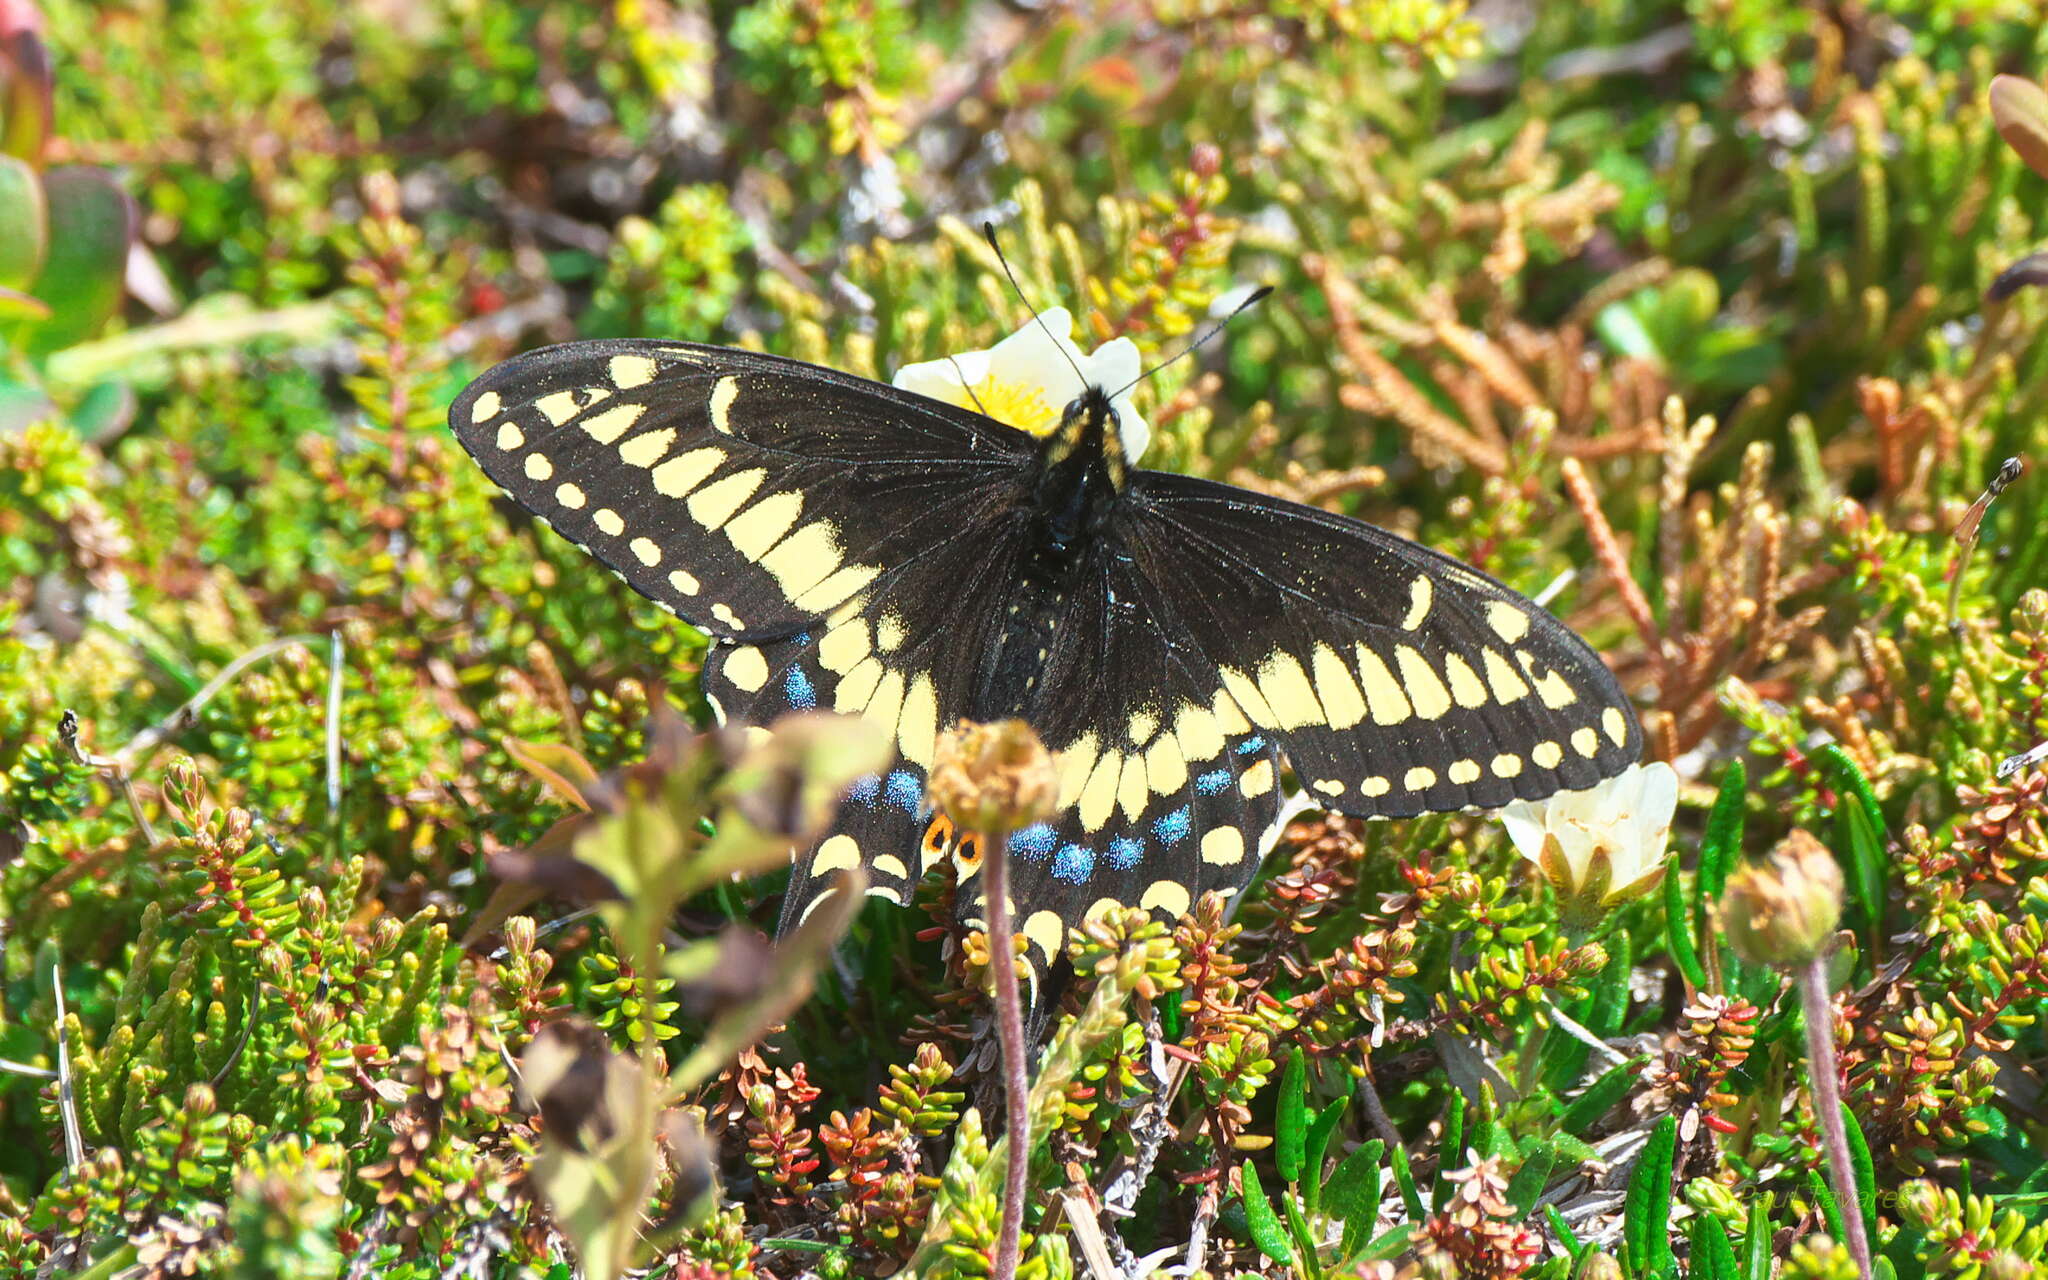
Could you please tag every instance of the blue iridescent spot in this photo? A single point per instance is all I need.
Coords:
(802, 639)
(797, 687)
(1073, 863)
(1034, 841)
(1173, 827)
(906, 790)
(865, 788)
(1250, 745)
(1213, 782)
(1125, 853)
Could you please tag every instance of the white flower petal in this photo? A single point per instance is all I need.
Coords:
(1116, 366)
(1525, 828)
(1040, 355)
(1028, 379)
(946, 379)
(1225, 304)
(1628, 816)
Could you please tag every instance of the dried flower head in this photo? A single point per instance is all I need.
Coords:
(1783, 910)
(1027, 379)
(994, 778)
(1603, 846)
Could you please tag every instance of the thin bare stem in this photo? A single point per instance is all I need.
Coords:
(67, 1099)
(149, 739)
(995, 872)
(1823, 1074)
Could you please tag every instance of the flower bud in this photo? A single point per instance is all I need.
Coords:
(1597, 1264)
(1921, 1205)
(1783, 910)
(994, 778)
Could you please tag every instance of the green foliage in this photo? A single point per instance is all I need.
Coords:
(1726, 307)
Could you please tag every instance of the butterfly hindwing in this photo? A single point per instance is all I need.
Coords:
(1396, 680)
(746, 493)
(905, 655)
(1164, 793)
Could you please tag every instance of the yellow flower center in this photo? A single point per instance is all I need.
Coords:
(1021, 405)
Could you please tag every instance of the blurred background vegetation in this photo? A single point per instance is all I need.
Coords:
(1678, 309)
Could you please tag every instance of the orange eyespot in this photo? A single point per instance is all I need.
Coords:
(938, 835)
(969, 852)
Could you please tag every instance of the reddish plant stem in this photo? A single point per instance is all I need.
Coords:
(995, 872)
(1824, 1075)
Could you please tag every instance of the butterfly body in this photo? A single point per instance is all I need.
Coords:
(855, 547)
(1074, 495)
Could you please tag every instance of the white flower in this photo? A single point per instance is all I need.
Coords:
(1602, 846)
(1026, 382)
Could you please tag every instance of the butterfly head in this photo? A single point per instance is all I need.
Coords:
(1091, 429)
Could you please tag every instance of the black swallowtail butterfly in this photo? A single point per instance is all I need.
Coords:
(854, 546)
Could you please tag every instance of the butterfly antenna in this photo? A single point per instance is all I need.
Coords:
(967, 386)
(1252, 299)
(988, 231)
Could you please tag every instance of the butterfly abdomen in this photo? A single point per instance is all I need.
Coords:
(1014, 669)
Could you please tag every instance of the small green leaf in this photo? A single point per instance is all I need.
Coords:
(1317, 1147)
(1304, 1237)
(1756, 1239)
(1713, 1258)
(1264, 1224)
(1529, 1180)
(24, 223)
(1353, 1193)
(1859, 837)
(2020, 109)
(92, 222)
(1404, 1178)
(1291, 1135)
(1646, 1220)
(1391, 1244)
(15, 305)
(1830, 1208)
(1572, 1148)
(1451, 1149)
(1621, 327)
(1678, 929)
(1599, 1098)
(1564, 1233)
(1354, 1185)
(1865, 1171)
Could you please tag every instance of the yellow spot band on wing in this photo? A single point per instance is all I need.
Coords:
(1223, 847)
(1420, 594)
(747, 669)
(836, 854)
(1168, 896)
(647, 448)
(722, 395)
(628, 372)
(613, 422)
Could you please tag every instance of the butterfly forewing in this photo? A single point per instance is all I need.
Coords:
(746, 493)
(1396, 680)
